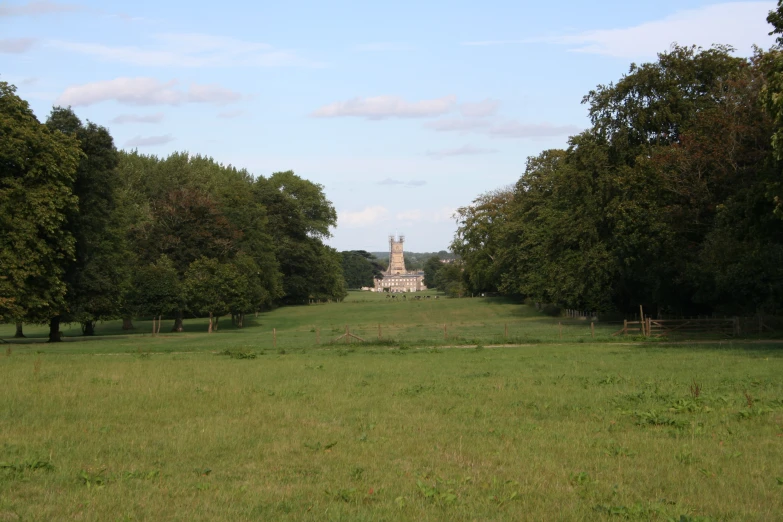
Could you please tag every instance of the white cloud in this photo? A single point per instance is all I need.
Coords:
(740, 24)
(228, 115)
(465, 150)
(514, 129)
(149, 141)
(38, 8)
(191, 50)
(212, 93)
(458, 125)
(382, 107)
(362, 218)
(410, 215)
(506, 129)
(480, 109)
(390, 181)
(411, 183)
(138, 118)
(145, 91)
(16, 45)
(417, 215)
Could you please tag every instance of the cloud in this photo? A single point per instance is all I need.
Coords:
(411, 183)
(191, 50)
(16, 45)
(363, 218)
(465, 150)
(145, 91)
(138, 118)
(459, 125)
(740, 24)
(227, 115)
(384, 46)
(212, 93)
(149, 141)
(410, 215)
(38, 8)
(390, 181)
(442, 215)
(480, 109)
(507, 129)
(514, 129)
(382, 107)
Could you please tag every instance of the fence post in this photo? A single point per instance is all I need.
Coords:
(505, 332)
(625, 326)
(445, 332)
(649, 326)
(641, 318)
(592, 329)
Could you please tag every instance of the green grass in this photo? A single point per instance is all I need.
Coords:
(226, 427)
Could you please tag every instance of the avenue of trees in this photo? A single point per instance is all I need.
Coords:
(673, 198)
(89, 233)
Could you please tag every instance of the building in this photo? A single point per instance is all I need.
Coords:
(396, 278)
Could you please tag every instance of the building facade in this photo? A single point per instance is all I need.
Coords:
(396, 278)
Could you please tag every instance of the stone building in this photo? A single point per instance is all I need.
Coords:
(396, 278)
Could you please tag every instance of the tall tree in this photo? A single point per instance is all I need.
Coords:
(37, 171)
(96, 275)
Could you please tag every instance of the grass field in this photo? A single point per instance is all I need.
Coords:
(226, 427)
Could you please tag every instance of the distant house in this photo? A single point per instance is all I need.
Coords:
(396, 278)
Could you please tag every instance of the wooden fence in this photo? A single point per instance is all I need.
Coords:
(649, 327)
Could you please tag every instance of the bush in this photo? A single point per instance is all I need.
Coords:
(551, 310)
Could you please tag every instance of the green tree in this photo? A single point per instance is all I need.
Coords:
(360, 268)
(431, 268)
(156, 290)
(213, 288)
(36, 179)
(96, 276)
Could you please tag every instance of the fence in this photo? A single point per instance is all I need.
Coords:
(726, 326)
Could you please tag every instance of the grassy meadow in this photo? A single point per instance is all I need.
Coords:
(227, 426)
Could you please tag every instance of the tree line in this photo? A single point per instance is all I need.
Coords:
(90, 233)
(673, 198)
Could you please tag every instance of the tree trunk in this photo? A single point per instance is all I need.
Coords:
(55, 336)
(160, 322)
(178, 322)
(127, 323)
(216, 322)
(241, 320)
(88, 328)
(209, 328)
(19, 333)
(154, 327)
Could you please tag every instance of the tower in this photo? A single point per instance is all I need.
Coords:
(396, 256)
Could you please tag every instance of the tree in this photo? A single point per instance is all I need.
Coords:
(360, 268)
(478, 239)
(97, 273)
(156, 290)
(431, 268)
(299, 217)
(213, 288)
(37, 170)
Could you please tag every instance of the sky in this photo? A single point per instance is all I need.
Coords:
(404, 111)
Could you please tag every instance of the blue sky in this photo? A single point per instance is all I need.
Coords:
(404, 111)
